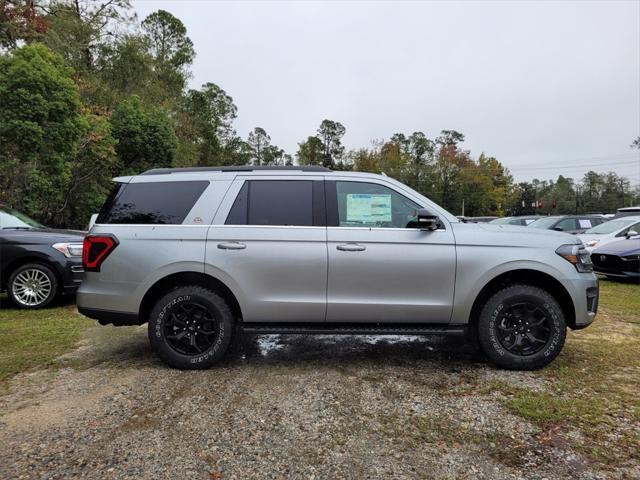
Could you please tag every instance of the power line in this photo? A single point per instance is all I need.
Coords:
(583, 165)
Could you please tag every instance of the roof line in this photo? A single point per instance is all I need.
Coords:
(242, 168)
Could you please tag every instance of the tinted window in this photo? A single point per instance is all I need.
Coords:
(274, 202)
(151, 203)
(371, 205)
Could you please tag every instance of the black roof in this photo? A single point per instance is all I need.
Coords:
(243, 168)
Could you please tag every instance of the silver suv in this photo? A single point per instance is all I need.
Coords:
(202, 253)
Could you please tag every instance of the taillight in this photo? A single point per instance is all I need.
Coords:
(95, 249)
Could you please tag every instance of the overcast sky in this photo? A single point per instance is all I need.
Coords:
(548, 88)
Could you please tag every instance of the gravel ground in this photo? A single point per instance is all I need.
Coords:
(278, 407)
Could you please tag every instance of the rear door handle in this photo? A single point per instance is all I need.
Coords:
(351, 247)
(232, 246)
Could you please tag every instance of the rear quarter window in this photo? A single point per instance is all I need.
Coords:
(155, 203)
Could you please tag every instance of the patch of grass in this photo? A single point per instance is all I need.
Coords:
(34, 338)
(593, 383)
(622, 299)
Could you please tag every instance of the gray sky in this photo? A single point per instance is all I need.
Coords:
(547, 88)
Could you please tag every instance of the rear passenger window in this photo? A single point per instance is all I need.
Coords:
(151, 203)
(274, 202)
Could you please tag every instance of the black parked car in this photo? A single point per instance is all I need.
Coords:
(619, 259)
(574, 224)
(37, 263)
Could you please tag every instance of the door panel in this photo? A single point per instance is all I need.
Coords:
(277, 272)
(280, 273)
(401, 275)
(383, 273)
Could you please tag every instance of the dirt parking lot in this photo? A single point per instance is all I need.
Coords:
(324, 407)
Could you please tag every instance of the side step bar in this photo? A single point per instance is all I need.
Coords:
(352, 329)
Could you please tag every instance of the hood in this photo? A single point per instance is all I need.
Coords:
(510, 235)
(621, 248)
(42, 235)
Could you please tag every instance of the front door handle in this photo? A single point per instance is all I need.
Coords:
(351, 247)
(232, 246)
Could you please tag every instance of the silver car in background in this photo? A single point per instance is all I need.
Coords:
(615, 229)
(204, 253)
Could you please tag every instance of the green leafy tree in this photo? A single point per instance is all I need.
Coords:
(145, 137)
(79, 29)
(330, 134)
(259, 143)
(310, 152)
(204, 124)
(41, 124)
(171, 49)
(20, 21)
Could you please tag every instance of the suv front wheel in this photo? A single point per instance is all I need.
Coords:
(190, 328)
(522, 327)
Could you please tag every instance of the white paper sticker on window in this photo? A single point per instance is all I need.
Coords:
(585, 223)
(368, 208)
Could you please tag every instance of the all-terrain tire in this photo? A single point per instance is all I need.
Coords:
(179, 316)
(495, 322)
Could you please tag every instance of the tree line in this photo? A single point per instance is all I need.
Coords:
(89, 92)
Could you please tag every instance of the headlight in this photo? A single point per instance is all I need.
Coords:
(592, 243)
(631, 258)
(578, 256)
(69, 249)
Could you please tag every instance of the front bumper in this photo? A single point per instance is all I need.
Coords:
(586, 293)
(72, 274)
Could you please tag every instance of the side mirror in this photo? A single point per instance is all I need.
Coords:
(427, 221)
(632, 233)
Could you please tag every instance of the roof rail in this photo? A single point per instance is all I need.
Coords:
(243, 168)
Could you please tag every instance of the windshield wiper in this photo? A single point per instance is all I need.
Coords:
(17, 228)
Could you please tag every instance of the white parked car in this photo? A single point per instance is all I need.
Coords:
(610, 231)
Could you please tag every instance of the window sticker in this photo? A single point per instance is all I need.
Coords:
(585, 223)
(368, 208)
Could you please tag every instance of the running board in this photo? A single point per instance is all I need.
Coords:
(352, 329)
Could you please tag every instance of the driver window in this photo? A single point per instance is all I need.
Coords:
(371, 205)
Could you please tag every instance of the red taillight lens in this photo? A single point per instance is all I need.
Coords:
(95, 249)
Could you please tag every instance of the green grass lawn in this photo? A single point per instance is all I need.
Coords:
(594, 385)
(34, 338)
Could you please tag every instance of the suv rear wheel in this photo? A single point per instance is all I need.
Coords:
(522, 327)
(32, 285)
(190, 328)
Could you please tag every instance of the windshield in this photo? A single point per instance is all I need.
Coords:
(546, 222)
(501, 221)
(10, 218)
(610, 227)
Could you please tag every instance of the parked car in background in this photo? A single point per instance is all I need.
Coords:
(37, 263)
(203, 253)
(627, 211)
(522, 220)
(611, 231)
(573, 224)
(478, 219)
(619, 259)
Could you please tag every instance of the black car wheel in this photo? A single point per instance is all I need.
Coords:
(522, 327)
(33, 285)
(190, 328)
